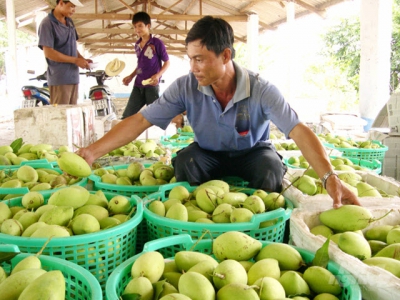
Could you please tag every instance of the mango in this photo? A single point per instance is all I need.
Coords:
(378, 232)
(178, 212)
(288, 257)
(389, 264)
(3, 274)
(392, 251)
(367, 190)
(179, 192)
(59, 215)
(12, 227)
(346, 218)
(294, 284)
(141, 286)
(376, 246)
(222, 213)
(206, 199)
(196, 286)
(393, 236)
(255, 204)
(229, 271)
(233, 198)
(235, 245)
(50, 285)
(194, 215)
(133, 171)
(325, 296)
(27, 173)
(96, 211)
(5, 149)
(150, 265)
(167, 289)
(184, 260)
(75, 196)
(12, 287)
(267, 267)
(322, 230)
(28, 219)
(109, 222)
(217, 183)
(13, 183)
(40, 147)
(32, 228)
(109, 178)
(237, 291)
(42, 209)
(175, 296)
(157, 207)
(29, 262)
(50, 231)
(119, 205)
(206, 268)
(321, 280)
(306, 184)
(270, 288)
(98, 198)
(73, 164)
(84, 223)
(355, 245)
(240, 215)
(5, 212)
(273, 201)
(172, 278)
(32, 200)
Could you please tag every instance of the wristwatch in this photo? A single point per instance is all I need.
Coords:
(326, 176)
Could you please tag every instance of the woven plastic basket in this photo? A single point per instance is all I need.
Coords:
(373, 165)
(181, 141)
(361, 153)
(79, 283)
(23, 190)
(159, 227)
(121, 276)
(100, 252)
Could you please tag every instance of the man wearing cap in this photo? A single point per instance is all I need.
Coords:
(57, 39)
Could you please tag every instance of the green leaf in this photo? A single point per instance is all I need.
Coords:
(131, 297)
(158, 288)
(7, 256)
(321, 258)
(16, 145)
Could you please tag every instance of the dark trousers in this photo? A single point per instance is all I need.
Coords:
(139, 98)
(261, 166)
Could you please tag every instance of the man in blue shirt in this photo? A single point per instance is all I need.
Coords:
(230, 110)
(57, 39)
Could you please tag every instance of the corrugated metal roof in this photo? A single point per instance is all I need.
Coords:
(104, 26)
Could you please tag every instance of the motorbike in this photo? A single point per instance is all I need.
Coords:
(37, 95)
(100, 94)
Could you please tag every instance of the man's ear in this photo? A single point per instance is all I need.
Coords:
(226, 54)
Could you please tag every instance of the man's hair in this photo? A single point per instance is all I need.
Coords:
(141, 16)
(214, 33)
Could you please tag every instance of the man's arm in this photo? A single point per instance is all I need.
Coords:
(157, 76)
(121, 134)
(57, 56)
(129, 78)
(314, 152)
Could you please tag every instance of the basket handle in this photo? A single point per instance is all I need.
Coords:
(168, 241)
(9, 248)
(38, 163)
(273, 214)
(139, 204)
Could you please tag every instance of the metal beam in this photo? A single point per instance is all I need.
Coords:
(128, 31)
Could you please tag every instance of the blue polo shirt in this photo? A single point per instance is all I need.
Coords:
(244, 122)
(62, 38)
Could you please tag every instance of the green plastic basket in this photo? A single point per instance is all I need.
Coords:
(181, 141)
(79, 283)
(100, 252)
(159, 227)
(361, 153)
(373, 165)
(184, 133)
(126, 190)
(121, 276)
(23, 190)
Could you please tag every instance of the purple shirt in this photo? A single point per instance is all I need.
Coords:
(62, 38)
(149, 59)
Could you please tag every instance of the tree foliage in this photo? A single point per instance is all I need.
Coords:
(342, 47)
(22, 38)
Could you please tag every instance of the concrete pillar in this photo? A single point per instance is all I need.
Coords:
(252, 42)
(40, 15)
(290, 61)
(375, 34)
(13, 90)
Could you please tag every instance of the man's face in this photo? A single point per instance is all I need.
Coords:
(67, 8)
(141, 29)
(205, 65)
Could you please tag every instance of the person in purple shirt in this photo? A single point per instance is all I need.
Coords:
(58, 40)
(150, 52)
(230, 109)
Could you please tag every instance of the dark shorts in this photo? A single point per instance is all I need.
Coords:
(261, 166)
(139, 98)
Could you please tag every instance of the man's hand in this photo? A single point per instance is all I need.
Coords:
(340, 193)
(127, 80)
(82, 63)
(86, 154)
